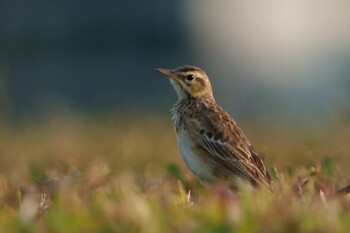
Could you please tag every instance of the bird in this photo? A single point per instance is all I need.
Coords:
(212, 145)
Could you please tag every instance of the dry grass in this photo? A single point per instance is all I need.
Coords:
(124, 174)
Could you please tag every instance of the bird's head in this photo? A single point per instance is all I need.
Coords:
(189, 81)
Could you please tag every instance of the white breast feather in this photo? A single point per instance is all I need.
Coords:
(193, 162)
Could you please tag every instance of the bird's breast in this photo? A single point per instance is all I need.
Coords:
(200, 168)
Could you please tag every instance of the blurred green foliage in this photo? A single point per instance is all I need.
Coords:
(117, 174)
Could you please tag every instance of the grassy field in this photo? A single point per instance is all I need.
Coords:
(124, 174)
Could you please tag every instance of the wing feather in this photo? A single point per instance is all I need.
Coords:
(224, 140)
(243, 163)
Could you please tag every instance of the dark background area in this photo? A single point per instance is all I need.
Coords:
(90, 57)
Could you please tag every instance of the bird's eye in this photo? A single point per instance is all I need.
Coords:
(190, 77)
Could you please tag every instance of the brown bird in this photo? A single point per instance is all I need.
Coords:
(212, 145)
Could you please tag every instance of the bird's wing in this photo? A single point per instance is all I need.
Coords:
(229, 147)
(243, 163)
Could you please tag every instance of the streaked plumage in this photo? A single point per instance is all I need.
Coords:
(212, 145)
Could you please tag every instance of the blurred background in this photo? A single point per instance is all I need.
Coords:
(272, 60)
(85, 121)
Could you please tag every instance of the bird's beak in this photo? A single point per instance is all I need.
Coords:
(168, 73)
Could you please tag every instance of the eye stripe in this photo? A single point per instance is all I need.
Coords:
(201, 81)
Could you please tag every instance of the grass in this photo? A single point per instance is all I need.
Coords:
(124, 174)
